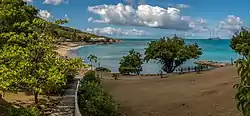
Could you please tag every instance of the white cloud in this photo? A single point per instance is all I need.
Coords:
(144, 15)
(182, 6)
(199, 25)
(90, 19)
(28, 0)
(54, 2)
(66, 17)
(44, 14)
(116, 31)
(231, 23)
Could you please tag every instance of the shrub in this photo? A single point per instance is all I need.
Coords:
(91, 76)
(243, 92)
(102, 69)
(94, 101)
(131, 63)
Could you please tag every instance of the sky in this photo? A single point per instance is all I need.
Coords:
(191, 19)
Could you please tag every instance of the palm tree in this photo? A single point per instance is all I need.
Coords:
(93, 59)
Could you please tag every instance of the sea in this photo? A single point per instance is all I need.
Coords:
(109, 55)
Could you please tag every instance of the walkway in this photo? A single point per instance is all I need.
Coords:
(66, 106)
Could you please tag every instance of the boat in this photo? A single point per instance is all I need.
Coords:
(213, 38)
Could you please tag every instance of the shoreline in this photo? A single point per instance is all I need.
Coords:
(68, 50)
(65, 49)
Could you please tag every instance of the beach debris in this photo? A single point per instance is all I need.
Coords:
(116, 76)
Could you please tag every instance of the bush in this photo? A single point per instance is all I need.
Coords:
(32, 111)
(102, 69)
(91, 76)
(131, 63)
(94, 101)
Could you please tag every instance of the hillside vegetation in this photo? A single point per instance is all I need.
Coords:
(75, 35)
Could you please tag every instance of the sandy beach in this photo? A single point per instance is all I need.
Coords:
(210, 93)
(64, 47)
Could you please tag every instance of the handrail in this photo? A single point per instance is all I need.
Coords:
(77, 111)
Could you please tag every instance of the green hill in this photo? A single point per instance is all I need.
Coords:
(75, 35)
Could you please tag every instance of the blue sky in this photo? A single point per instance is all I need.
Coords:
(150, 18)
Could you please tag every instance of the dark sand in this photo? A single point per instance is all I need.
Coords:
(208, 94)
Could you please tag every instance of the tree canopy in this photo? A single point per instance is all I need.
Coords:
(93, 59)
(27, 59)
(171, 52)
(131, 63)
(240, 42)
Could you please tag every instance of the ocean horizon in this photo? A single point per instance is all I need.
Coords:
(109, 55)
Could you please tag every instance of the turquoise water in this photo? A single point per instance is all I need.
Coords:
(110, 55)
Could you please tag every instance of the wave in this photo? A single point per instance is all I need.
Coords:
(111, 57)
(76, 48)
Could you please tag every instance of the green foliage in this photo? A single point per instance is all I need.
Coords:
(243, 88)
(27, 59)
(32, 111)
(240, 42)
(93, 59)
(91, 76)
(171, 52)
(94, 101)
(131, 63)
(74, 35)
(60, 21)
(102, 69)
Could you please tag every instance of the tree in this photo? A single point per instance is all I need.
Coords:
(171, 52)
(93, 59)
(131, 63)
(27, 59)
(240, 42)
(243, 88)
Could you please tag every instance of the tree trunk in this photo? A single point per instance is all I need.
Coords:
(3, 93)
(36, 97)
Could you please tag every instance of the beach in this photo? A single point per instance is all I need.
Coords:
(177, 95)
(210, 93)
(64, 48)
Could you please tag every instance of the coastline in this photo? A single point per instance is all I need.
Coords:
(67, 48)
